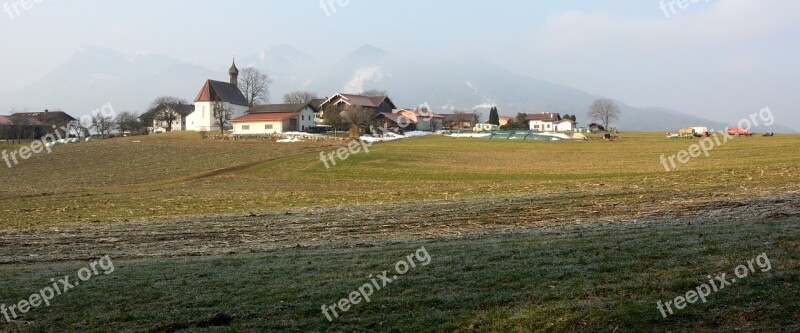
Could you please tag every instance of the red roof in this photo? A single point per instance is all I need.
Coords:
(273, 116)
(5, 120)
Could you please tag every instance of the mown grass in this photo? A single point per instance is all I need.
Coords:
(172, 176)
(583, 280)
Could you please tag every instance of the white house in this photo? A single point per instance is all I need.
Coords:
(566, 125)
(212, 95)
(276, 118)
(551, 122)
(265, 123)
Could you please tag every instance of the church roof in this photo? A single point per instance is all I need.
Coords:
(214, 91)
(233, 69)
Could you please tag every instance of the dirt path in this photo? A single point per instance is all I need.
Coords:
(370, 225)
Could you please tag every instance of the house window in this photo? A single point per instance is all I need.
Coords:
(535, 126)
(268, 127)
(245, 127)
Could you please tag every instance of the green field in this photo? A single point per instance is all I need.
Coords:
(220, 236)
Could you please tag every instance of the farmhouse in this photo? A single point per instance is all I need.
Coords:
(551, 122)
(181, 111)
(425, 120)
(394, 121)
(276, 118)
(377, 104)
(46, 118)
(214, 97)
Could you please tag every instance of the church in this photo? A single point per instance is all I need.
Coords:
(212, 93)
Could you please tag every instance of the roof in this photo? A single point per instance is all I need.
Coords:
(182, 109)
(423, 113)
(544, 116)
(272, 108)
(44, 117)
(5, 120)
(506, 118)
(256, 117)
(395, 117)
(214, 91)
(363, 101)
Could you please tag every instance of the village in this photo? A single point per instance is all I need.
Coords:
(221, 109)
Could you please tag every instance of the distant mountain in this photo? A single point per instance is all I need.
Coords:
(96, 76)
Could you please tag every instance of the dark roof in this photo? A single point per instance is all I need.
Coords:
(364, 101)
(233, 69)
(316, 103)
(5, 120)
(544, 116)
(182, 109)
(272, 108)
(269, 116)
(44, 117)
(395, 117)
(214, 91)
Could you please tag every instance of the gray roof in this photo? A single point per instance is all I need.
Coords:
(276, 108)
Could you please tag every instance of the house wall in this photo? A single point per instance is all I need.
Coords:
(306, 119)
(542, 126)
(202, 119)
(566, 126)
(259, 127)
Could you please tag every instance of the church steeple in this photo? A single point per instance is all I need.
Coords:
(234, 72)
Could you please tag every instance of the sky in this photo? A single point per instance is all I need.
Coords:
(721, 59)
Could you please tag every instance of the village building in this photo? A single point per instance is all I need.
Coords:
(276, 118)
(424, 120)
(214, 97)
(551, 122)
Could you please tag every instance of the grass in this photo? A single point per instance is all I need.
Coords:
(181, 175)
(603, 280)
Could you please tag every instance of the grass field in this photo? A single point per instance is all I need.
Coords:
(215, 236)
(180, 175)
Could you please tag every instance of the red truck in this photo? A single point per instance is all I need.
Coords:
(739, 131)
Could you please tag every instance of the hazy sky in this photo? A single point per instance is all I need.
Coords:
(714, 58)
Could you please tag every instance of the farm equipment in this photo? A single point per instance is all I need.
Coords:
(739, 132)
(687, 133)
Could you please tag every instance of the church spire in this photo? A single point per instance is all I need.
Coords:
(234, 72)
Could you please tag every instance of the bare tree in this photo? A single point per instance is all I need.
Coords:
(81, 128)
(333, 116)
(299, 97)
(126, 122)
(605, 111)
(375, 93)
(254, 86)
(222, 115)
(359, 117)
(103, 125)
(167, 109)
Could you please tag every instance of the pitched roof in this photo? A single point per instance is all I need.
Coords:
(423, 113)
(544, 116)
(214, 91)
(506, 118)
(363, 101)
(182, 109)
(277, 108)
(255, 117)
(45, 116)
(395, 117)
(5, 120)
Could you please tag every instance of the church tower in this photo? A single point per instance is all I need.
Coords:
(234, 72)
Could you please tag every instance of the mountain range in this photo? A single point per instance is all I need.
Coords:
(96, 76)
